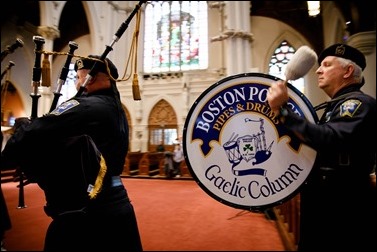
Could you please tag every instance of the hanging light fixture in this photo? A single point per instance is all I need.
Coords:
(313, 8)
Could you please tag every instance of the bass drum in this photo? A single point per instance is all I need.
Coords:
(237, 151)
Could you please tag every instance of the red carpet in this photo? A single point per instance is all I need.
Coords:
(173, 215)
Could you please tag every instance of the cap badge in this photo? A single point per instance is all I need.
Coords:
(79, 63)
(340, 50)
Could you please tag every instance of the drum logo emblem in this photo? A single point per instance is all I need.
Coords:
(248, 148)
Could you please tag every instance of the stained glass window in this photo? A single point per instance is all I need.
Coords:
(175, 37)
(69, 87)
(279, 60)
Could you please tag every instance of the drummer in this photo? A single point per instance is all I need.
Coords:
(338, 204)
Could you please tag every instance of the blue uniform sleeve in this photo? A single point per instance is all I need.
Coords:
(348, 123)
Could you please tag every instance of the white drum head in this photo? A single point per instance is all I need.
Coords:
(238, 152)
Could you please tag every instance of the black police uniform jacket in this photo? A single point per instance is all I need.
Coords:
(338, 186)
(61, 151)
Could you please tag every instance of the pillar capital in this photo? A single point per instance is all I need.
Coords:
(364, 41)
(49, 32)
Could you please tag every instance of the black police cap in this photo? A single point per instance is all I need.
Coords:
(88, 63)
(346, 52)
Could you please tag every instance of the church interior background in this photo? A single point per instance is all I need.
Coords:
(174, 50)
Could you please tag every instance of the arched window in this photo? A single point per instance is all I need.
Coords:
(279, 60)
(69, 88)
(175, 36)
(163, 127)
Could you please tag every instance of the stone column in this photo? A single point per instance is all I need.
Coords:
(366, 43)
(238, 37)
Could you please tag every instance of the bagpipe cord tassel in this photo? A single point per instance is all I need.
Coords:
(99, 180)
(135, 81)
(46, 71)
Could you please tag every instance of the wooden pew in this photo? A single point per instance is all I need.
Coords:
(161, 168)
(131, 166)
(8, 175)
(185, 172)
(149, 163)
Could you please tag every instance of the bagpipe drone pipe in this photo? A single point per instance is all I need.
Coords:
(11, 48)
(116, 37)
(38, 71)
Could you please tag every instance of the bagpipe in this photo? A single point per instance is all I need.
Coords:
(38, 72)
(4, 88)
(83, 181)
(94, 70)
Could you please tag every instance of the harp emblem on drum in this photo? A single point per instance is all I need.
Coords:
(251, 147)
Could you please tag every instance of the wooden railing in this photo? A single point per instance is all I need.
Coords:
(288, 222)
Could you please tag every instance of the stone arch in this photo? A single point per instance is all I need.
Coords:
(67, 21)
(11, 104)
(162, 126)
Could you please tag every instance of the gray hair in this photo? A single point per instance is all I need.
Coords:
(357, 73)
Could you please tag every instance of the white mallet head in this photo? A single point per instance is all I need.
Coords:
(300, 64)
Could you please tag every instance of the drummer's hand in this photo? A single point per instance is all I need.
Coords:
(277, 96)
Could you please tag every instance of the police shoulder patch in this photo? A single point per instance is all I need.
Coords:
(65, 106)
(349, 107)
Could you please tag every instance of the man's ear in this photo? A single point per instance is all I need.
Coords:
(350, 70)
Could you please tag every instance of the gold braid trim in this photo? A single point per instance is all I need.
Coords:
(99, 180)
